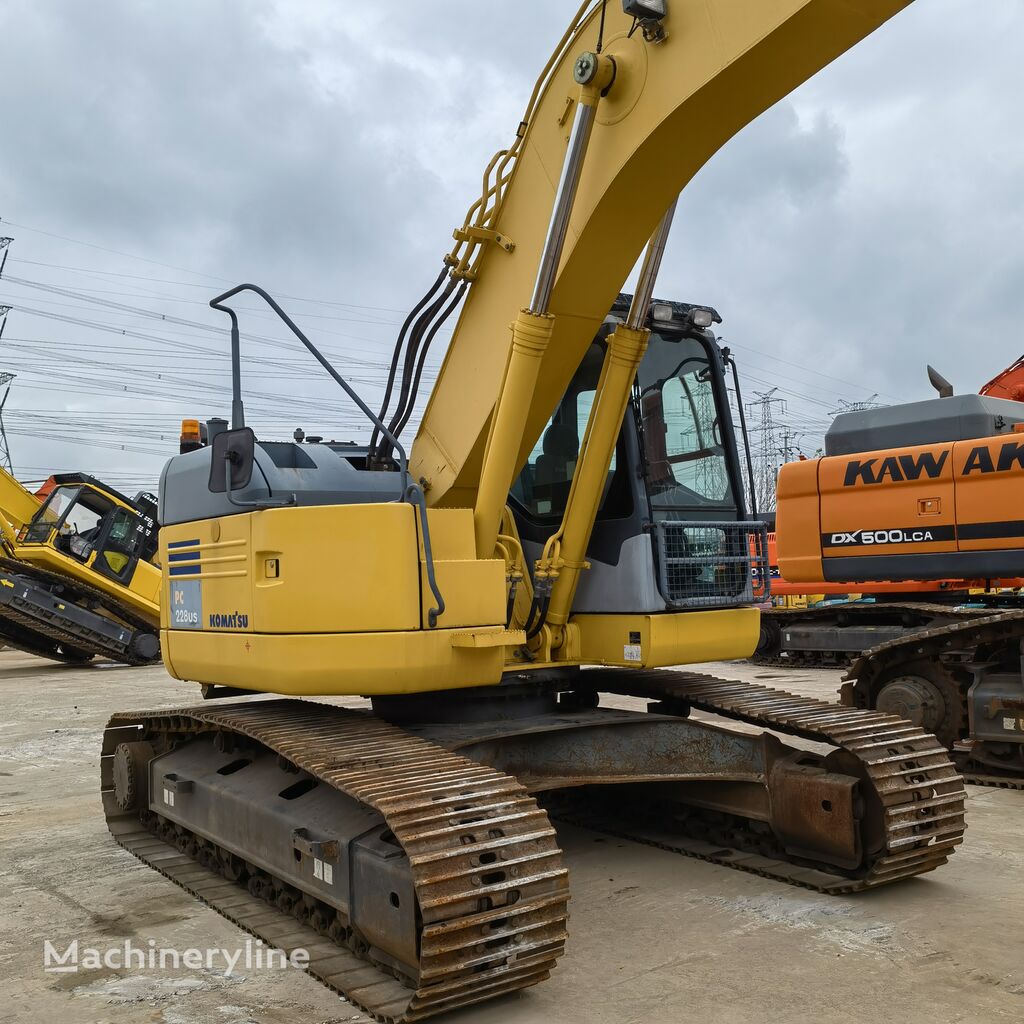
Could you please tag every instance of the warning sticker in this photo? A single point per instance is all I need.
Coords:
(631, 652)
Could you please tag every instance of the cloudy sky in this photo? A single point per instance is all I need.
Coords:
(152, 154)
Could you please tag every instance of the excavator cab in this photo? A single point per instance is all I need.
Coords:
(94, 527)
(672, 531)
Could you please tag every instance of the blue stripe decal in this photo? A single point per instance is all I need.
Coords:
(183, 570)
(183, 556)
(183, 543)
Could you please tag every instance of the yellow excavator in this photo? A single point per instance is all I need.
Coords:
(568, 522)
(78, 577)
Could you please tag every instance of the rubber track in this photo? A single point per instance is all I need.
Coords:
(427, 796)
(918, 787)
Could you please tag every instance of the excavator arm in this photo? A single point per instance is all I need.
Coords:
(671, 106)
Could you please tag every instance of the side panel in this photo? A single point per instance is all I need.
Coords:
(798, 519)
(320, 569)
(207, 570)
(934, 512)
(989, 481)
(327, 599)
(340, 568)
(473, 589)
(896, 502)
(655, 641)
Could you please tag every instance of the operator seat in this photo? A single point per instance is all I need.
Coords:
(555, 467)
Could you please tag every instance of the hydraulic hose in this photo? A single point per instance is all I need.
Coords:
(411, 352)
(397, 354)
(397, 428)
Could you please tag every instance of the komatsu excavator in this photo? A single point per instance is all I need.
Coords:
(569, 520)
(77, 572)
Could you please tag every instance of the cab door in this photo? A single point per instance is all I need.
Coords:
(119, 545)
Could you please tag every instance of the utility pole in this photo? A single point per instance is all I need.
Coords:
(764, 408)
(789, 448)
(5, 450)
(5, 377)
(711, 479)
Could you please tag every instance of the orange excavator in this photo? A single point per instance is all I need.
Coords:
(918, 506)
(825, 623)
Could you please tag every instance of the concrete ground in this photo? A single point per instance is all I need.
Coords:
(654, 936)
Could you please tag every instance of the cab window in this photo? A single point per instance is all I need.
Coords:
(123, 538)
(51, 515)
(543, 486)
(682, 436)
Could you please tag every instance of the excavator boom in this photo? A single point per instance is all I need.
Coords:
(17, 506)
(671, 107)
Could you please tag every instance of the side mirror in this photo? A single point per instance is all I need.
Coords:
(237, 447)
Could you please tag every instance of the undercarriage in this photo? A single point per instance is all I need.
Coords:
(50, 616)
(415, 860)
(961, 680)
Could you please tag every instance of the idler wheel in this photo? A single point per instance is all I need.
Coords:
(925, 695)
(131, 778)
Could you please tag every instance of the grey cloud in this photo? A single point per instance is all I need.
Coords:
(865, 225)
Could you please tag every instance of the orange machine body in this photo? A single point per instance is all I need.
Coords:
(928, 512)
(785, 588)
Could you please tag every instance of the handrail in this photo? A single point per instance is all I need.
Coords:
(410, 492)
(237, 411)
